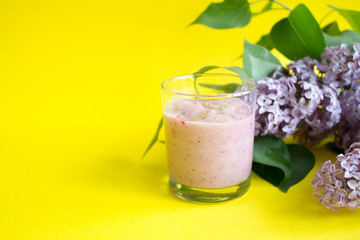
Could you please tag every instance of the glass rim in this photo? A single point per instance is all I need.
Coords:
(209, 96)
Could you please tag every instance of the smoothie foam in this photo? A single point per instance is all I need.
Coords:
(209, 142)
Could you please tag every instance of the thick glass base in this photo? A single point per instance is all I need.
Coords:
(209, 195)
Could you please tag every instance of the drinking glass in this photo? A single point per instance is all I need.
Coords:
(209, 135)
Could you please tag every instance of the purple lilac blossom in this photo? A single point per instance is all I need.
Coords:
(323, 119)
(274, 106)
(347, 130)
(312, 100)
(340, 66)
(338, 185)
(304, 109)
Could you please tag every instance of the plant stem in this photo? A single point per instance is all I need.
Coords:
(279, 9)
(283, 5)
(326, 15)
(258, 1)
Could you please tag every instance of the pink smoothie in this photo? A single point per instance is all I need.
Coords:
(209, 142)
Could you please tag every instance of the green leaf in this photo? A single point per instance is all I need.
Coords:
(234, 69)
(265, 41)
(258, 61)
(206, 69)
(302, 161)
(238, 70)
(332, 29)
(349, 37)
(154, 139)
(227, 14)
(266, 8)
(227, 88)
(271, 159)
(352, 17)
(332, 147)
(280, 164)
(298, 35)
(270, 174)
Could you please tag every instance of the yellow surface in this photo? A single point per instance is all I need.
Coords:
(79, 102)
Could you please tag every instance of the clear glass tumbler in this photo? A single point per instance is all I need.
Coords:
(209, 135)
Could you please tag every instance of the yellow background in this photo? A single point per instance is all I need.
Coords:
(79, 102)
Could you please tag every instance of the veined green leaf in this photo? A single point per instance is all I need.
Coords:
(302, 161)
(349, 37)
(154, 139)
(226, 14)
(332, 29)
(258, 61)
(351, 16)
(298, 35)
(280, 164)
(265, 41)
(271, 159)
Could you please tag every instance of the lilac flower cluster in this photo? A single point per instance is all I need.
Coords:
(338, 185)
(274, 103)
(297, 103)
(312, 100)
(341, 69)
